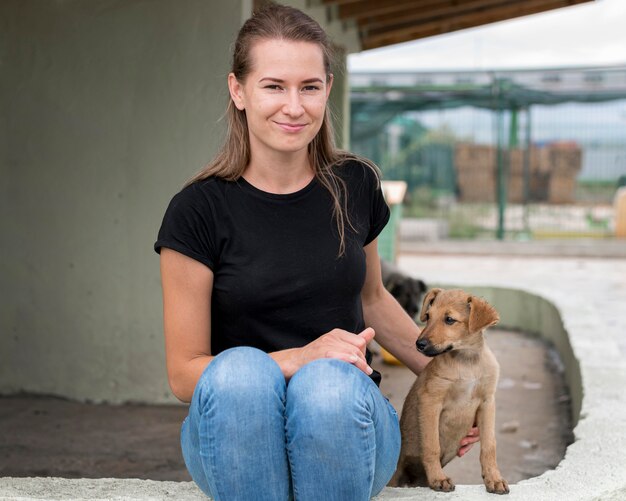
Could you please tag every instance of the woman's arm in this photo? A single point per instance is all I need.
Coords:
(187, 286)
(395, 329)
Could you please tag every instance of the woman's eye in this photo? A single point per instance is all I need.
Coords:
(311, 88)
(450, 320)
(273, 87)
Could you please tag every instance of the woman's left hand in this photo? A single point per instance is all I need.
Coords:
(468, 441)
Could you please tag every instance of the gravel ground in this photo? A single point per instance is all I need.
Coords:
(45, 436)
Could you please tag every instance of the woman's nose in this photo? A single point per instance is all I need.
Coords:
(293, 104)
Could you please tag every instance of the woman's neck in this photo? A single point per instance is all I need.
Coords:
(280, 175)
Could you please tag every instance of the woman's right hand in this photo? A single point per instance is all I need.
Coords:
(342, 345)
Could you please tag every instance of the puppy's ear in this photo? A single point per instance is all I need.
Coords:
(428, 299)
(482, 314)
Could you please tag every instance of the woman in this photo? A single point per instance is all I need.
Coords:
(272, 289)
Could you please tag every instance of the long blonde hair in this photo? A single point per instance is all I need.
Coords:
(271, 22)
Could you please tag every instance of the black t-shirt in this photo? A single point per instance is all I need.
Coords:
(278, 280)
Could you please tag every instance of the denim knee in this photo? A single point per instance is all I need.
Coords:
(237, 411)
(339, 429)
(330, 386)
(239, 373)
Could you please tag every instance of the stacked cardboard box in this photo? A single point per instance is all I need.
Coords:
(537, 177)
(566, 160)
(475, 172)
(552, 172)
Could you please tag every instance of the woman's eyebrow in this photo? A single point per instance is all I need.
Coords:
(280, 80)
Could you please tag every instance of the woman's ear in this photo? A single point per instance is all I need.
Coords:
(329, 84)
(236, 91)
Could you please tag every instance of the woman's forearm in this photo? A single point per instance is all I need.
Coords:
(395, 329)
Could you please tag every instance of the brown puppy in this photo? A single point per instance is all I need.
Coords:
(455, 390)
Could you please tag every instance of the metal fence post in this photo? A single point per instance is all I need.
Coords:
(501, 175)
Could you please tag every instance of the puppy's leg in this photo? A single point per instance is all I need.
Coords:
(486, 424)
(410, 470)
(410, 473)
(430, 410)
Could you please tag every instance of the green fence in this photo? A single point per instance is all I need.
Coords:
(522, 155)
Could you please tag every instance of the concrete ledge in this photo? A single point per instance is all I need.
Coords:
(582, 316)
(591, 248)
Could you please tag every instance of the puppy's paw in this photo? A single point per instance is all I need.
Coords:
(496, 485)
(443, 484)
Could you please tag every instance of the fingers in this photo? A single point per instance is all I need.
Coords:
(367, 334)
(361, 340)
(342, 345)
(464, 450)
(358, 362)
(473, 436)
(347, 354)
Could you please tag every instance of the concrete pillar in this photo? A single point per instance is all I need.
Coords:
(340, 100)
(106, 108)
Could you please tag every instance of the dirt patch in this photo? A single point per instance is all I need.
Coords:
(44, 436)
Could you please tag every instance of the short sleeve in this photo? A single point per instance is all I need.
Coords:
(379, 210)
(188, 226)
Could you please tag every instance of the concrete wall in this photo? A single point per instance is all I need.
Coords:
(106, 107)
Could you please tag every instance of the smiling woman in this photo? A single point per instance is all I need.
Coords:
(272, 289)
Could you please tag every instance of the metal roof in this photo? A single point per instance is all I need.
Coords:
(401, 91)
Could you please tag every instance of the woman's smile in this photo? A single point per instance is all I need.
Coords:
(289, 127)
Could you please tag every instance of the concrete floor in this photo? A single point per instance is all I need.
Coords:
(589, 295)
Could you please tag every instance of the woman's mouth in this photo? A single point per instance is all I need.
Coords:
(289, 127)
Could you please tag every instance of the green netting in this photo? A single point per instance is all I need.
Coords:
(525, 158)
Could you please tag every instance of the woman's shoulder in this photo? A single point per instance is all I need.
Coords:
(353, 168)
(202, 191)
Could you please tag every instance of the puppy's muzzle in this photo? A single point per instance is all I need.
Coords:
(423, 346)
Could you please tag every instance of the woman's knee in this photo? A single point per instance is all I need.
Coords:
(330, 386)
(240, 373)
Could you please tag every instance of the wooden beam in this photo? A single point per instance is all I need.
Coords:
(420, 13)
(364, 8)
(411, 31)
(338, 2)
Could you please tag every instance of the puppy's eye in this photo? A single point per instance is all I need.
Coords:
(450, 320)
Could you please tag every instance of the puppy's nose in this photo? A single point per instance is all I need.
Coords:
(421, 344)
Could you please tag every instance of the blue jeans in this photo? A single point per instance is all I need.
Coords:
(327, 435)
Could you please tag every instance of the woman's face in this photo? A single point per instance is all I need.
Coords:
(284, 96)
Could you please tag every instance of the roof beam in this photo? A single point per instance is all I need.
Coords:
(411, 30)
(419, 12)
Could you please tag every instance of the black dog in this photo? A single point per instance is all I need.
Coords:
(408, 291)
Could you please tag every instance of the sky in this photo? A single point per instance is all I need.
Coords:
(590, 34)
